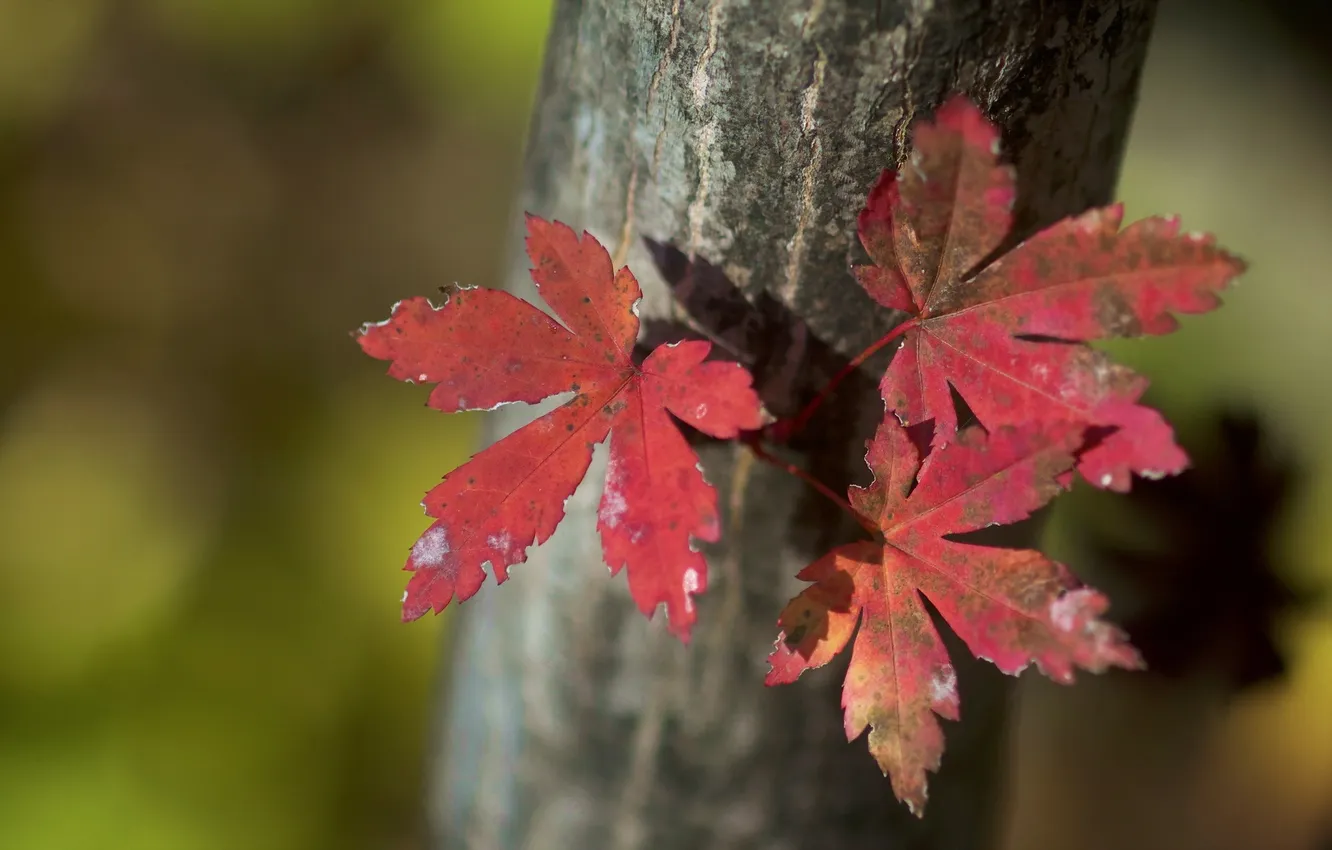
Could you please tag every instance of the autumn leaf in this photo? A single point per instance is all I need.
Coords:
(1012, 607)
(1008, 335)
(484, 348)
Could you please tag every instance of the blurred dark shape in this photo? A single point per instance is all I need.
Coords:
(1307, 23)
(1211, 593)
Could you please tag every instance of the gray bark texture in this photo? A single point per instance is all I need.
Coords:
(746, 134)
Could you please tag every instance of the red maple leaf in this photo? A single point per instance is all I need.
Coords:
(1013, 607)
(485, 348)
(1006, 335)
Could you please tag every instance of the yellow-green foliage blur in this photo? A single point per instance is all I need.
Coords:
(206, 490)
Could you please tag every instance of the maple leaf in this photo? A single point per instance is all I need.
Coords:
(486, 347)
(1013, 607)
(1007, 335)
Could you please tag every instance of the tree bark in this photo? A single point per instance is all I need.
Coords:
(746, 135)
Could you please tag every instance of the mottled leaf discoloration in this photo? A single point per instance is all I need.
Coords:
(1009, 336)
(485, 348)
(1013, 607)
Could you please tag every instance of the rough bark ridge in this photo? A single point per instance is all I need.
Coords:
(746, 134)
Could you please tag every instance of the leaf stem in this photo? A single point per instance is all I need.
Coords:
(762, 454)
(784, 430)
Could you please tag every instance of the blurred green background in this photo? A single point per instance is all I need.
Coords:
(206, 490)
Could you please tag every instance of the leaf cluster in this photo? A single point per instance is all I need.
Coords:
(1009, 335)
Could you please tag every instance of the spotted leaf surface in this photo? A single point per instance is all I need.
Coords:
(1009, 336)
(483, 348)
(1012, 607)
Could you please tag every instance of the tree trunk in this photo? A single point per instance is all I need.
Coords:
(746, 135)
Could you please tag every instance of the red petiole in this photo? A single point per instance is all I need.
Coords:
(756, 446)
(784, 430)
